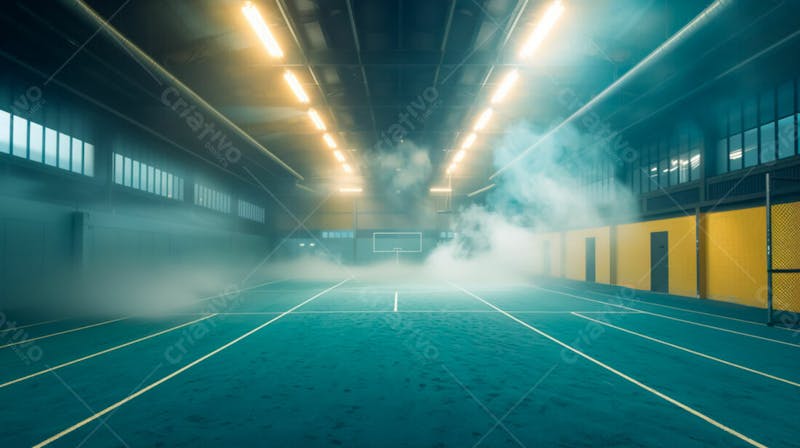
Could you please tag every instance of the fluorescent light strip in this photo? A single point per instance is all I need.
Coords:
(452, 168)
(262, 30)
(459, 156)
(329, 141)
(339, 156)
(483, 120)
(347, 168)
(441, 190)
(542, 29)
(296, 87)
(350, 190)
(469, 141)
(505, 86)
(314, 115)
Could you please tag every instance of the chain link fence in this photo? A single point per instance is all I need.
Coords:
(783, 254)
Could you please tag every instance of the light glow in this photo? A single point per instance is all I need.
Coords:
(262, 30)
(347, 168)
(350, 190)
(542, 29)
(460, 155)
(469, 141)
(329, 141)
(483, 120)
(452, 168)
(339, 156)
(314, 115)
(505, 86)
(296, 87)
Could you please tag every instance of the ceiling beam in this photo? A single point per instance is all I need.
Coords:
(357, 43)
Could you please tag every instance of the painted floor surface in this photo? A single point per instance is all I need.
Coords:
(357, 364)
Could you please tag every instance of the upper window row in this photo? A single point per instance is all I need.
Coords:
(212, 199)
(29, 140)
(760, 129)
(338, 234)
(251, 211)
(141, 176)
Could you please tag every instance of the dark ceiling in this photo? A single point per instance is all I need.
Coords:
(364, 63)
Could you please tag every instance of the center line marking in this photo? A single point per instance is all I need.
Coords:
(628, 378)
(197, 361)
(395, 301)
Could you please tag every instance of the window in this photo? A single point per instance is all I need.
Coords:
(127, 170)
(5, 132)
(767, 142)
(143, 177)
(77, 155)
(751, 148)
(118, 164)
(696, 144)
(50, 147)
(136, 180)
(88, 159)
(37, 143)
(20, 134)
(64, 151)
(735, 155)
(786, 137)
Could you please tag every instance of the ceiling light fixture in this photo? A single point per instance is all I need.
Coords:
(459, 155)
(314, 115)
(469, 141)
(347, 168)
(483, 120)
(441, 190)
(452, 168)
(350, 190)
(262, 30)
(505, 86)
(339, 156)
(329, 141)
(542, 29)
(296, 87)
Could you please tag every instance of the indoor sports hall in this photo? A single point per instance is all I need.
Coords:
(399, 223)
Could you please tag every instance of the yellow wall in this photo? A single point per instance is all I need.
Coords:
(575, 263)
(633, 254)
(734, 256)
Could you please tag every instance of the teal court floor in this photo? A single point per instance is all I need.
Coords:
(365, 364)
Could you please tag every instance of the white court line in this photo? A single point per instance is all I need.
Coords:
(688, 350)
(163, 380)
(103, 352)
(628, 378)
(664, 316)
(395, 301)
(85, 327)
(21, 327)
(296, 313)
(751, 322)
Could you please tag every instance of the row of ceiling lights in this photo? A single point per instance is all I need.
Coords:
(508, 81)
(268, 39)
